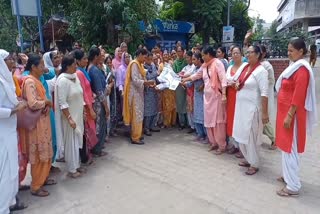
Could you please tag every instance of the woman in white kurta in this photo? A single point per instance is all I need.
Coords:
(251, 110)
(268, 129)
(69, 114)
(9, 106)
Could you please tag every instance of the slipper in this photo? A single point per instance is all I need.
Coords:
(40, 193)
(74, 175)
(54, 169)
(244, 164)
(24, 187)
(239, 155)
(50, 182)
(281, 179)
(100, 154)
(61, 160)
(252, 171)
(17, 207)
(284, 192)
(219, 152)
(212, 148)
(82, 170)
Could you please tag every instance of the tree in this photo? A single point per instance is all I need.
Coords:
(239, 19)
(208, 14)
(90, 23)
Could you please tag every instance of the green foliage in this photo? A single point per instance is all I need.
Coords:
(90, 22)
(209, 16)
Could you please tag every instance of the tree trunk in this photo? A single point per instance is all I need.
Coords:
(111, 33)
(205, 38)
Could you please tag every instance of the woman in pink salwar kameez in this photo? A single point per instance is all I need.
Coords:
(90, 137)
(215, 82)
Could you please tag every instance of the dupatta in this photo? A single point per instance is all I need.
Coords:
(126, 105)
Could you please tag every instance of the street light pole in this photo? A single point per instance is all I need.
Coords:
(228, 20)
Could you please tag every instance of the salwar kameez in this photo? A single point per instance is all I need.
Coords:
(296, 88)
(90, 137)
(214, 78)
(69, 96)
(268, 129)
(39, 140)
(198, 114)
(9, 167)
(247, 127)
(169, 107)
(133, 109)
(150, 99)
(98, 86)
(181, 94)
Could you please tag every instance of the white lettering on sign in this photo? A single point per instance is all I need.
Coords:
(170, 26)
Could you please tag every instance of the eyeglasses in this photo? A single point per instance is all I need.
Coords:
(236, 54)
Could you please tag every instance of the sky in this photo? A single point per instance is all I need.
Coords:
(267, 9)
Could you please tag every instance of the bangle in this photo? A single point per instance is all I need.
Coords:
(69, 117)
(290, 115)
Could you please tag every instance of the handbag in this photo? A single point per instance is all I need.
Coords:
(27, 118)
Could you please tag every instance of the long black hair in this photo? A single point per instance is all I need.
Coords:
(93, 52)
(198, 56)
(209, 50)
(33, 59)
(66, 62)
(299, 44)
(224, 51)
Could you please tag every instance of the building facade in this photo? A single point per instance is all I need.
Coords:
(298, 14)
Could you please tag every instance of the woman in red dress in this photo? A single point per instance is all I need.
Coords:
(296, 114)
(237, 66)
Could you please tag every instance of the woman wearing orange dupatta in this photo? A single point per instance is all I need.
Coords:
(133, 106)
(38, 140)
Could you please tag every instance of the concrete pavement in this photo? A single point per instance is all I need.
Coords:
(171, 174)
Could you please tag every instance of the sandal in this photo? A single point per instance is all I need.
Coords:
(50, 182)
(54, 169)
(24, 187)
(233, 151)
(219, 151)
(239, 155)
(252, 171)
(100, 154)
(284, 192)
(281, 179)
(82, 170)
(74, 175)
(40, 193)
(212, 148)
(244, 164)
(61, 160)
(273, 146)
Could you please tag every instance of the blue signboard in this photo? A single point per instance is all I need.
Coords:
(171, 26)
(174, 26)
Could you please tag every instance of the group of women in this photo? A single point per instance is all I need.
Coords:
(53, 108)
(80, 99)
(238, 102)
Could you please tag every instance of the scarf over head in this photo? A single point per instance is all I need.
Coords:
(47, 60)
(116, 62)
(6, 78)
